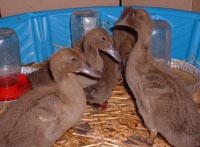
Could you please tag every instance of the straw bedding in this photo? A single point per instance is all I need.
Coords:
(111, 127)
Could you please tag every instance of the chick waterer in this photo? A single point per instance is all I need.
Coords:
(161, 41)
(83, 21)
(12, 83)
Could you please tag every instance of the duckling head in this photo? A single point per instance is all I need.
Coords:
(135, 19)
(68, 60)
(100, 40)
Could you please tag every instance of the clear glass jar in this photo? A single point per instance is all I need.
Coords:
(81, 22)
(10, 60)
(161, 42)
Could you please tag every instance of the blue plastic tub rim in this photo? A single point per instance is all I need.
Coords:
(38, 31)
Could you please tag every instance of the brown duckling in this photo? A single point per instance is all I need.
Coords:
(124, 40)
(41, 116)
(95, 43)
(41, 76)
(100, 39)
(162, 100)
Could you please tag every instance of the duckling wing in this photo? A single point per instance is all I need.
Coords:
(39, 125)
(170, 104)
(155, 84)
(47, 109)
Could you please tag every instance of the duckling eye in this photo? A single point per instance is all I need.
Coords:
(73, 59)
(103, 38)
(132, 14)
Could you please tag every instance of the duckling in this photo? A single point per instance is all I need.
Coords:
(162, 100)
(41, 116)
(96, 42)
(110, 58)
(124, 40)
(41, 76)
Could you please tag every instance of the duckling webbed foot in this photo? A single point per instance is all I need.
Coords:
(82, 128)
(136, 141)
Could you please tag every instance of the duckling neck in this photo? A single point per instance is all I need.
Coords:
(144, 37)
(94, 59)
(137, 62)
(142, 48)
(71, 92)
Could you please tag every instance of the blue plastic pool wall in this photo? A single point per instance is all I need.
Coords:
(38, 31)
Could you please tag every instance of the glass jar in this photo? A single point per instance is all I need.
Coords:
(161, 42)
(9, 57)
(81, 22)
